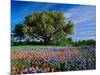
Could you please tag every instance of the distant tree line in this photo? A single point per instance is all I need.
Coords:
(90, 42)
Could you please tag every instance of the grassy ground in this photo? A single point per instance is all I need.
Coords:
(35, 46)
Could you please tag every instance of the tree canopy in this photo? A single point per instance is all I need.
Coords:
(49, 25)
(18, 30)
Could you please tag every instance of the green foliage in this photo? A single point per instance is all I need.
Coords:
(18, 30)
(65, 41)
(90, 42)
(48, 25)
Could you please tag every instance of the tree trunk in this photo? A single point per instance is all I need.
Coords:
(46, 40)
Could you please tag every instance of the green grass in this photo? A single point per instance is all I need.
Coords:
(35, 46)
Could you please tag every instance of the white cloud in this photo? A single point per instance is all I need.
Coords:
(68, 15)
(80, 14)
(85, 32)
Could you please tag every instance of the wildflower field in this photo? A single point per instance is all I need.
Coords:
(33, 59)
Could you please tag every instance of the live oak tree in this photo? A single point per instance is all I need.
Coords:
(49, 25)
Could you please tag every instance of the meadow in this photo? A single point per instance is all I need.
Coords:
(42, 59)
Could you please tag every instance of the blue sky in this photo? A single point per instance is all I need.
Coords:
(84, 16)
